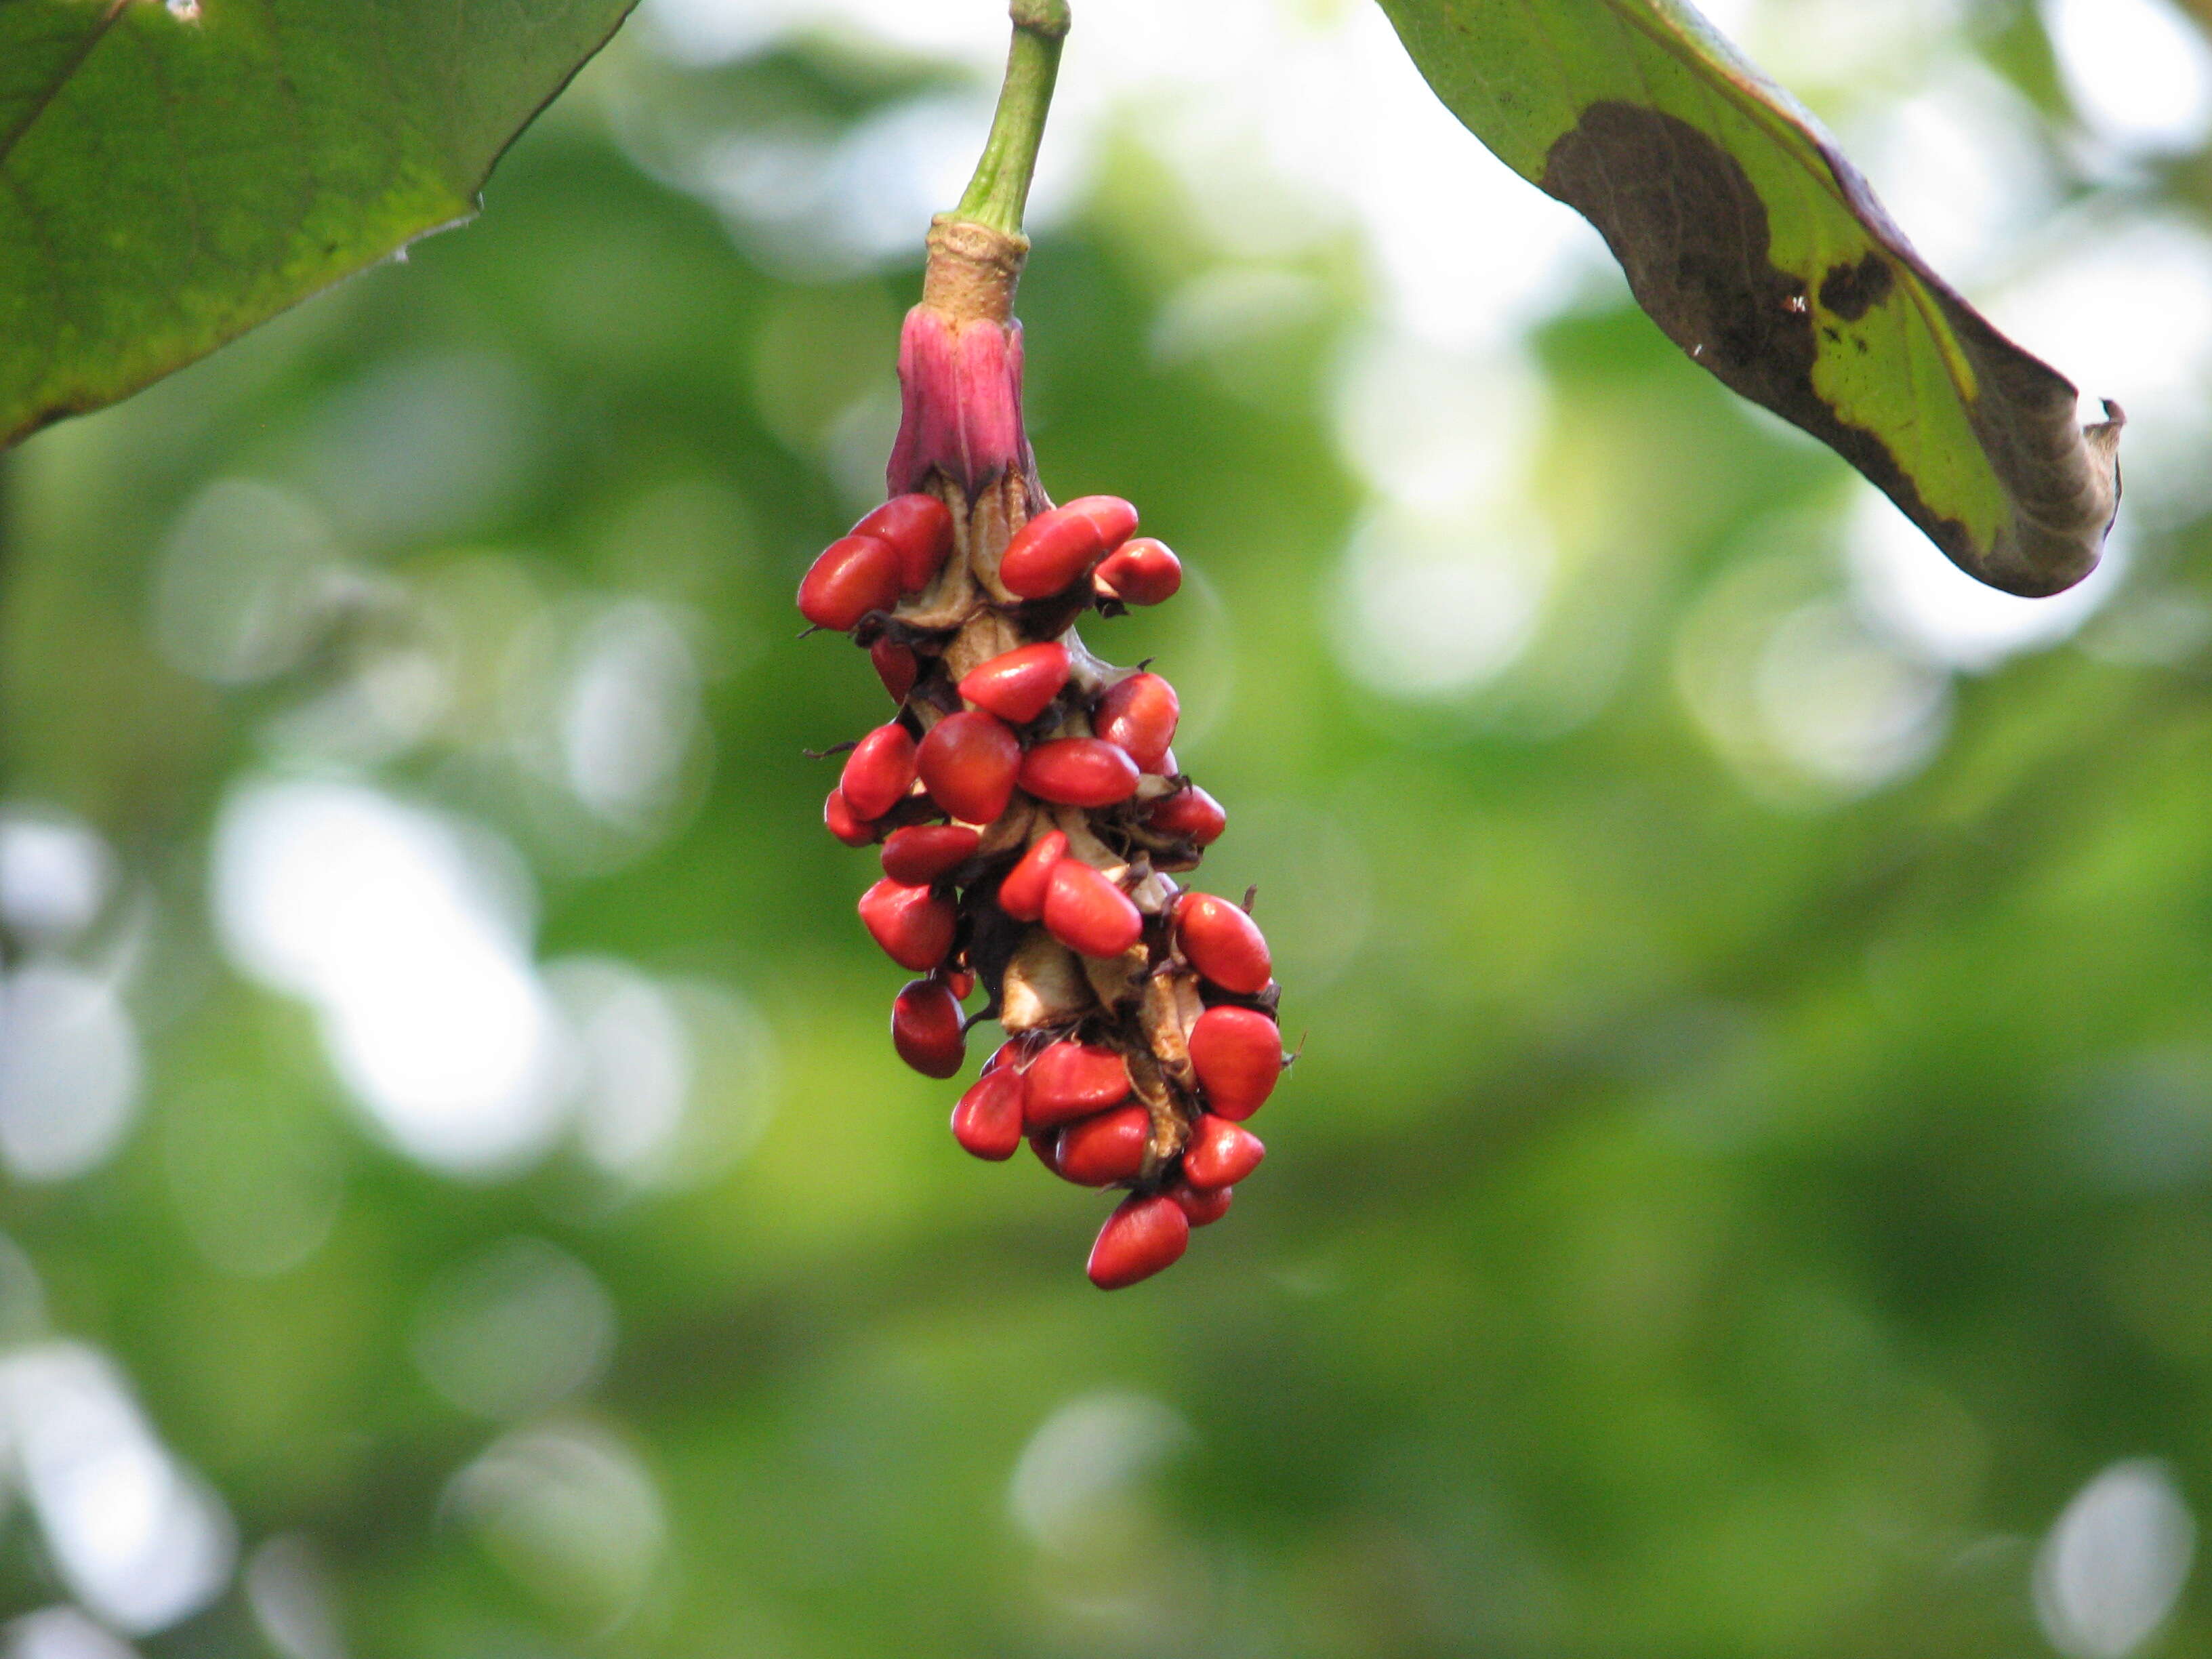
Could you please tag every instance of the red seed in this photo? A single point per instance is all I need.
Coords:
(913, 925)
(1203, 1208)
(1087, 913)
(853, 577)
(1113, 518)
(844, 823)
(967, 763)
(1141, 572)
(1018, 685)
(895, 666)
(988, 1122)
(918, 854)
(1049, 552)
(925, 1029)
(1237, 1054)
(1068, 1081)
(1078, 772)
(878, 772)
(1220, 1154)
(1140, 715)
(1045, 1143)
(919, 530)
(1006, 1053)
(1223, 943)
(1021, 895)
(1191, 815)
(1142, 1236)
(961, 981)
(1101, 1150)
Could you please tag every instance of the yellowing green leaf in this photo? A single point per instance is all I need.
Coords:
(1762, 253)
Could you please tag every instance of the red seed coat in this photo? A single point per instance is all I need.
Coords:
(1109, 1146)
(878, 772)
(844, 823)
(1049, 552)
(851, 578)
(1139, 714)
(1068, 1081)
(919, 530)
(1220, 1154)
(925, 1029)
(1143, 1236)
(1141, 572)
(1078, 772)
(1237, 1054)
(1021, 895)
(967, 763)
(1191, 814)
(1112, 517)
(921, 852)
(1089, 914)
(1223, 943)
(896, 666)
(988, 1122)
(1203, 1208)
(913, 925)
(1020, 684)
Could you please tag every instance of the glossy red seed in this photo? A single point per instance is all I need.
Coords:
(919, 530)
(1045, 1143)
(961, 982)
(1141, 572)
(1006, 1053)
(1109, 1146)
(912, 924)
(852, 577)
(1087, 913)
(1018, 685)
(967, 763)
(919, 854)
(1221, 1153)
(1139, 714)
(1021, 895)
(895, 666)
(1068, 1081)
(1049, 552)
(1237, 1054)
(1112, 517)
(1142, 1236)
(988, 1122)
(1223, 943)
(844, 823)
(1190, 814)
(1078, 772)
(878, 772)
(925, 1029)
(1203, 1208)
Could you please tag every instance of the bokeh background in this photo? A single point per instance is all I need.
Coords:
(1748, 1186)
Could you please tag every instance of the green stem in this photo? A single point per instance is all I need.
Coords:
(1000, 188)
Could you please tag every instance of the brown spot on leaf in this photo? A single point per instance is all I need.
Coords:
(1689, 229)
(1851, 291)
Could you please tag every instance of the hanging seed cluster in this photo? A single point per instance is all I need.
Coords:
(1027, 803)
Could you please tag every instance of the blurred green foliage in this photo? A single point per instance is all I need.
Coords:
(1725, 1206)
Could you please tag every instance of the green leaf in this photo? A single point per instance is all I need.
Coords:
(170, 178)
(1762, 253)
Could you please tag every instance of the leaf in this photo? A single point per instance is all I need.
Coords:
(1762, 253)
(170, 177)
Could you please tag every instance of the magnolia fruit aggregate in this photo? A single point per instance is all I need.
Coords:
(1030, 815)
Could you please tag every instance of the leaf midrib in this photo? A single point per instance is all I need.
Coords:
(43, 101)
